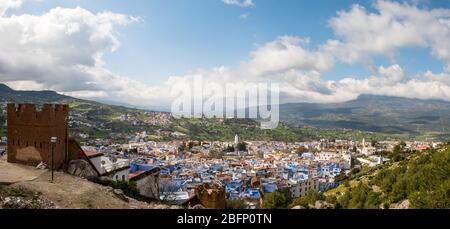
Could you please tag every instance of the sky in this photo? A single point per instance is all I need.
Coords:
(134, 51)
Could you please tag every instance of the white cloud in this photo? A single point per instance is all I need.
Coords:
(62, 50)
(439, 77)
(285, 53)
(287, 61)
(388, 81)
(9, 4)
(240, 3)
(388, 76)
(362, 34)
(245, 16)
(5, 5)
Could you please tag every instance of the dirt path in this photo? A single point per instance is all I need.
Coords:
(76, 193)
(67, 192)
(13, 173)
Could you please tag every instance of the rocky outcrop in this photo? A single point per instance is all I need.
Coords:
(198, 206)
(323, 205)
(81, 168)
(14, 202)
(19, 198)
(401, 205)
(317, 205)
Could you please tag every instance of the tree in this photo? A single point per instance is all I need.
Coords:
(301, 149)
(310, 199)
(399, 189)
(358, 197)
(182, 147)
(277, 200)
(438, 198)
(374, 143)
(229, 149)
(422, 178)
(402, 144)
(242, 146)
(260, 155)
(344, 200)
(129, 188)
(396, 157)
(215, 153)
(372, 201)
(236, 204)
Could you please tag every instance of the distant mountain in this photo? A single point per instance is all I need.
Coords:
(94, 120)
(5, 89)
(385, 115)
(8, 94)
(374, 113)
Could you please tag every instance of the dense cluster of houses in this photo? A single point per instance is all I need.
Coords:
(263, 167)
(184, 171)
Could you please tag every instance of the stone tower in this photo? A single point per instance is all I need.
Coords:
(30, 131)
(212, 197)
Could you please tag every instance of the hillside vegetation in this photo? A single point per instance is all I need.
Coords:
(412, 118)
(370, 117)
(101, 121)
(421, 179)
(412, 180)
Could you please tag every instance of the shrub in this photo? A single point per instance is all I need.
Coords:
(236, 204)
(129, 188)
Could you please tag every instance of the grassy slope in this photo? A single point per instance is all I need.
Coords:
(214, 129)
(423, 178)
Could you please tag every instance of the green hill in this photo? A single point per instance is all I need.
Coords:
(91, 120)
(382, 114)
(421, 179)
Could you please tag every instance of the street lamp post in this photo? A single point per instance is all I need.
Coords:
(53, 141)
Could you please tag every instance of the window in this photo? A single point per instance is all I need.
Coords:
(123, 177)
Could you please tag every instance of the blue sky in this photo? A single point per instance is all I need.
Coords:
(320, 51)
(178, 36)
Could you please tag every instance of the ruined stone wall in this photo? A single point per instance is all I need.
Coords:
(75, 151)
(149, 185)
(30, 131)
(212, 197)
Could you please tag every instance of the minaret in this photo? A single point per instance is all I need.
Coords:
(236, 140)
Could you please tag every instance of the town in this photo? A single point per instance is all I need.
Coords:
(249, 170)
(192, 173)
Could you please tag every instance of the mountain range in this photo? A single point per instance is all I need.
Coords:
(367, 113)
(372, 113)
